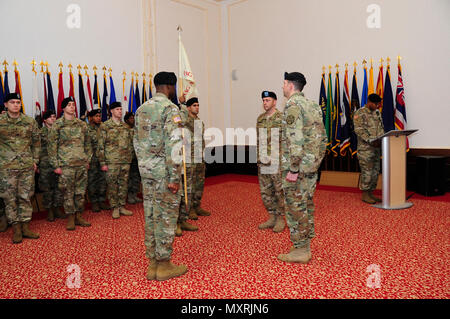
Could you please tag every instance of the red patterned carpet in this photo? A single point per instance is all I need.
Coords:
(230, 258)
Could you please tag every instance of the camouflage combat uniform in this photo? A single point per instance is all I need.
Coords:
(116, 147)
(69, 148)
(269, 170)
(134, 178)
(197, 160)
(19, 149)
(303, 144)
(48, 180)
(154, 141)
(368, 126)
(96, 177)
(184, 212)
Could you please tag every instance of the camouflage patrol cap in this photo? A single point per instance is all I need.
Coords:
(192, 101)
(295, 77)
(165, 78)
(94, 112)
(12, 96)
(115, 105)
(47, 114)
(66, 101)
(265, 94)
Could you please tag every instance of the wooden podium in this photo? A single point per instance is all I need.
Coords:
(393, 148)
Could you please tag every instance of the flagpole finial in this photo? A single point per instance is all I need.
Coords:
(70, 66)
(46, 66)
(5, 63)
(337, 68)
(136, 77)
(85, 68)
(179, 28)
(79, 69)
(364, 62)
(124, 74)
(371, 62)
(110, 70)
(95, 69)
(324, 69)
(60, 65)
(42, 66)
(346, 66)
(15, 65)
(33, 65)
(388, 61)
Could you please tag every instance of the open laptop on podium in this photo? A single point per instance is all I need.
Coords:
(393, 148)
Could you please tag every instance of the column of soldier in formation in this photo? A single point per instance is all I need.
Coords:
(287, 170)
(72, 159)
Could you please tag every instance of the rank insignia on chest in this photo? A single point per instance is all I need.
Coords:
(290, 119)
(176, 119)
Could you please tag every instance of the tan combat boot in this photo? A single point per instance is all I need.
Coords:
(280, 224)
(125, 212)
(116, 213)
(201, 212)
(151, 270)
(366, 198)
(376, 199)
(3, 223)
(193, 214)
(79, 221)
(70, 222)
(297, 255)
(189, 227)
(178, 231)
(270, 223)
(51, 214)
(166, 270)
(27, 233)
(17, 233)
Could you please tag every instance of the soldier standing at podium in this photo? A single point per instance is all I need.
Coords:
(369, 126)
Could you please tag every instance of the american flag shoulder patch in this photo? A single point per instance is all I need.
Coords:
(176, 119)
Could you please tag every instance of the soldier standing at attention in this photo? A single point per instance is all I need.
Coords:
(269, 171)
(3, 220)
(96, 177)
(155, 143)
(194, 124)
(134, 179)
(369, 126)
(182, 223)
(303, 144)
(48, 180)
(115, 152)
(70, 152)
(19, 158)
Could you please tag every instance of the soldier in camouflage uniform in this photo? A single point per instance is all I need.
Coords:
(182, 223)
(369, 126)
(3, 220)
(48, 180)
(303, 144)
(197, 129)
(156, 137)
(70, 152)
(19, 158)
(134, 179)
(96, 177)
(115, 153)
(269, 171)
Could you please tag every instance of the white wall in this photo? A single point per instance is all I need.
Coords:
(200, 21)
(110, 35)
(267, 38)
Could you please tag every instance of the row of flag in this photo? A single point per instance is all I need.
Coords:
(338, 111)
(43, 98)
